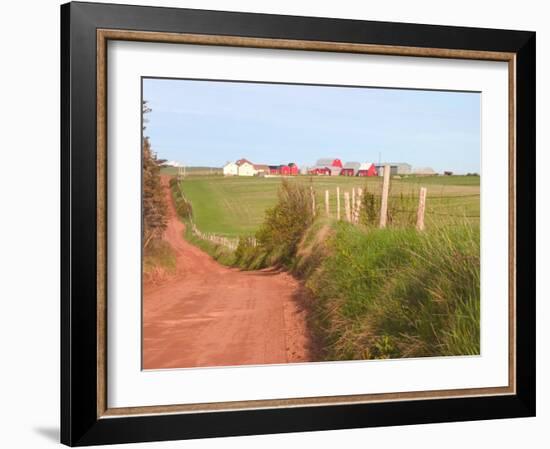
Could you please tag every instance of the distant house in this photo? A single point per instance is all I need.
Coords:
(245, 168)
(350, 169)
(230, 169)
(329, 162)
(274, 169)
(367, 169)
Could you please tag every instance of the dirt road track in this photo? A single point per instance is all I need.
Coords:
(211, 315)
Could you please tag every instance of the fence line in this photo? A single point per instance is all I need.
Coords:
(230, 243)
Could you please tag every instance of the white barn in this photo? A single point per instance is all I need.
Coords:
(245, 168)
(230, 169)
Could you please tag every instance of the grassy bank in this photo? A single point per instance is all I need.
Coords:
(159, 260)
(398, 293)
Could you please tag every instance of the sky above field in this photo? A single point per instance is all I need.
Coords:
(208, 123)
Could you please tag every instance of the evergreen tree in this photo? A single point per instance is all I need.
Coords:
(154, 203)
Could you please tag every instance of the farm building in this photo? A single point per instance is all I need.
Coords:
(424, 171)
(328, 166)
(367, 169)
(293, 169)
(335, 170)
(380, 169)
(261, 169)
(230, 169)
(350, 169)
(329, 162)
(284, 170)
(397, 168)
(245, 168)
(319, 170)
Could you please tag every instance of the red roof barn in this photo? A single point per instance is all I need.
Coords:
(367, 169)
(320, 171)
(329, 162)
(284, 170)
(293, 168)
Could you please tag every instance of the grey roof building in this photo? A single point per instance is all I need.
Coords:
(397, 168)
(354, 165)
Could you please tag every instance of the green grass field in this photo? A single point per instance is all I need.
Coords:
(192, 171)
(235, 206)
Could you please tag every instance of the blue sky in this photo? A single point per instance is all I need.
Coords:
(211, 122)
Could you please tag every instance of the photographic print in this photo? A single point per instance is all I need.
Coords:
(294, 223)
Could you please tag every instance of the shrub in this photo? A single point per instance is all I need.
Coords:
(286, 223)
(249, 256)
(184, 209)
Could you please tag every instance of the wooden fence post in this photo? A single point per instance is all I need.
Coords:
(358, 203)
(346, 206)
(327, 207)
(421, 209)
(312, 200)
(353, 197)
(338, 203)
(385, 192)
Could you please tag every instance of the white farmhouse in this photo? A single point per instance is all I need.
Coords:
(230, 169)
(245, 168)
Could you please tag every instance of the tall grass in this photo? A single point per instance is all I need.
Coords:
(398, 293)
(159, 260)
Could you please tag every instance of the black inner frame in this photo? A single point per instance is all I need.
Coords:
(79, 422)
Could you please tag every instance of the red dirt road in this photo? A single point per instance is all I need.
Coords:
(211, 315)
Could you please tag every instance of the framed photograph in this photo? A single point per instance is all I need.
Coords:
(280, 224)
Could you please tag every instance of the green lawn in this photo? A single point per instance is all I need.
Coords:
(192, 171)
(234, 206)
(443, 180)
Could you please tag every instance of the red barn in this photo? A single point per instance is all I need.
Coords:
(293, 168)
(367, 169)
(350, 169)
(284, 170)
(329, 162)
(320, 171)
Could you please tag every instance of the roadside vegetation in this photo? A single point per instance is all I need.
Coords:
(158, 256)
(391, 293)
(373, 293)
